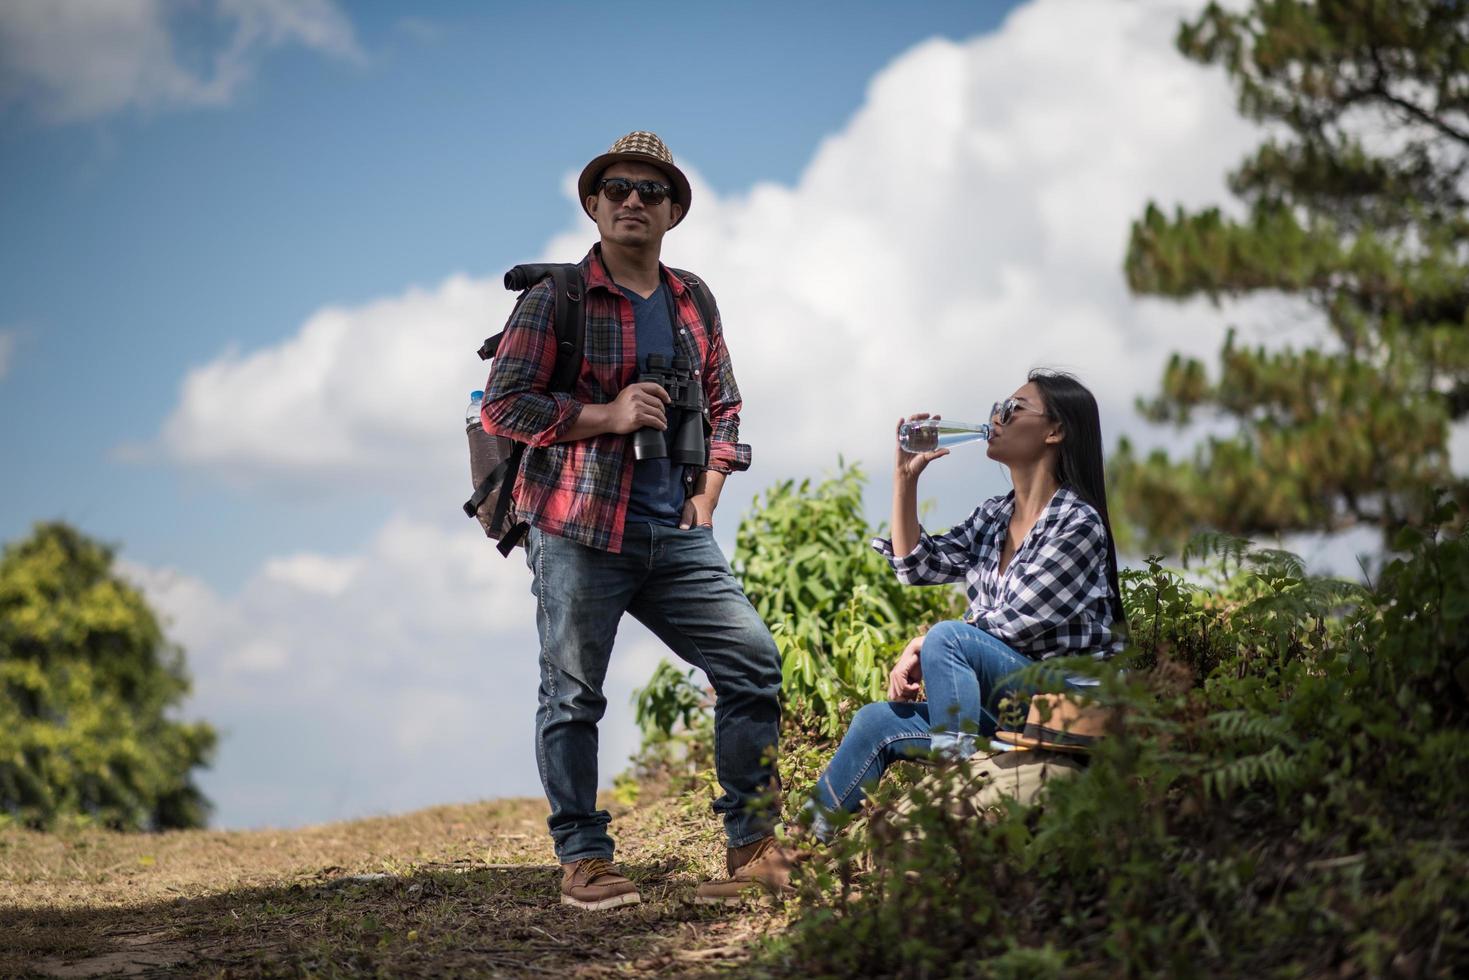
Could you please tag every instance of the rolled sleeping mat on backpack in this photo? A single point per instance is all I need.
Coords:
(526, 275)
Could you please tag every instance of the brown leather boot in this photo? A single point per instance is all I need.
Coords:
(762, 867)
(594, 884)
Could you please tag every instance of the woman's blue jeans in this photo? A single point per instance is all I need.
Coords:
(964, 676)
(678, 584)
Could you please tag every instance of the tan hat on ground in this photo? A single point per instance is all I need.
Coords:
(637, 147)
(1060, 723)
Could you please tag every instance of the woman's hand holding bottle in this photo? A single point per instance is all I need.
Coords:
(910, 465)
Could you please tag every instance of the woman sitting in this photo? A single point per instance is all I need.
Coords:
(1040, 571)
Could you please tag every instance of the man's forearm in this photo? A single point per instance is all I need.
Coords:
(637, 406)
(525, 416)
(592, 420)
(709, 483)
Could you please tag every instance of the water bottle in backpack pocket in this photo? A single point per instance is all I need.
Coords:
(494, 461)
(487, 454)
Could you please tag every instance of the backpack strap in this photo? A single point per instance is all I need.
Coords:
(485, 488)
(569, 324)
(568, 321)
(703, 298)
(506, 483)
(708, 310)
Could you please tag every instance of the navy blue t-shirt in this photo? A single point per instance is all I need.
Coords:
(657, 484)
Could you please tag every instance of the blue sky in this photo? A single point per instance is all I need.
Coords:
(148, 239)
(248, 251)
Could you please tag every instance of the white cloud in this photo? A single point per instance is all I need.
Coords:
(968, 223)
(314, 573)
(257, 656)
(410, 680)
(77, 59)
(366, 392)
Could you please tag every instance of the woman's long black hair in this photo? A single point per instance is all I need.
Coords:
(1079, 462)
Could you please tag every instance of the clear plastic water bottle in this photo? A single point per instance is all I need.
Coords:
(471, 414)
(927, 435)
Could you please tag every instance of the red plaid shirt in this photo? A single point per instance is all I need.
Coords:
(579, 490)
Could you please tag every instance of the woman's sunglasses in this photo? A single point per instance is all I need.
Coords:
(650, 192)
(1004, 411)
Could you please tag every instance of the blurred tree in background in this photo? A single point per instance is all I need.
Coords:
(86, 683)
(1356, 202)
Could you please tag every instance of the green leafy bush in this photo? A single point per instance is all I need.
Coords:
(677, 724)
(86, 684)
(838, 615)
(1283, 794)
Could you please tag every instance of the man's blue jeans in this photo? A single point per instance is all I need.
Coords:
(964, 676)
(678, 584)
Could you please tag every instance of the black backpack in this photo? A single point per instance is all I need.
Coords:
(494, 461)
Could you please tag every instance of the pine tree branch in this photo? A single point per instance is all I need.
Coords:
(1380, 90)
(1423, 115)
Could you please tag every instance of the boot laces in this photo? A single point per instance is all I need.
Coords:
(594, 868)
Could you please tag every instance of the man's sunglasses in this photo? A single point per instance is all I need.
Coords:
(650, 192)
(1004, 411)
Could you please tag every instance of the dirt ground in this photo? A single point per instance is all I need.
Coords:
(451, 891)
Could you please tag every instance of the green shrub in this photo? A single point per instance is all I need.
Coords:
(87, 683)
(1283, 795)
(838, 614)
(677, 724)
(839, 617)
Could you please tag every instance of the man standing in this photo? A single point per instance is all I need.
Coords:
(611, 533)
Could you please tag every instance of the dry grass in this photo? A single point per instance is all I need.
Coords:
(466, 891)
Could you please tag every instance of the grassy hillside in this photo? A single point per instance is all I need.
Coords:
(457, 890)
(1281, 793)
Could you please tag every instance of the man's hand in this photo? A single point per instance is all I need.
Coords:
(906, 678)
(638, 406)
(698, 509)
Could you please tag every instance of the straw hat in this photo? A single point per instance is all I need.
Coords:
(637, 147)
(1059, 723)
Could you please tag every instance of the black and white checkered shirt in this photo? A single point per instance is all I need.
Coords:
(1053, 600)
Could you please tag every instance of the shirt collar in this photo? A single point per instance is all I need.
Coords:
(1061, 502)
(596, 276)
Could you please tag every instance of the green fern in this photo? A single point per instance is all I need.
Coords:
(1271, 767)
(1252, 726)
(1207, 545)
(1276, 563)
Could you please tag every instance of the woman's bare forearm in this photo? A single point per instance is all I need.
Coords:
(905, 514)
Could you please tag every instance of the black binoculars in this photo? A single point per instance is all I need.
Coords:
(684, 439)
